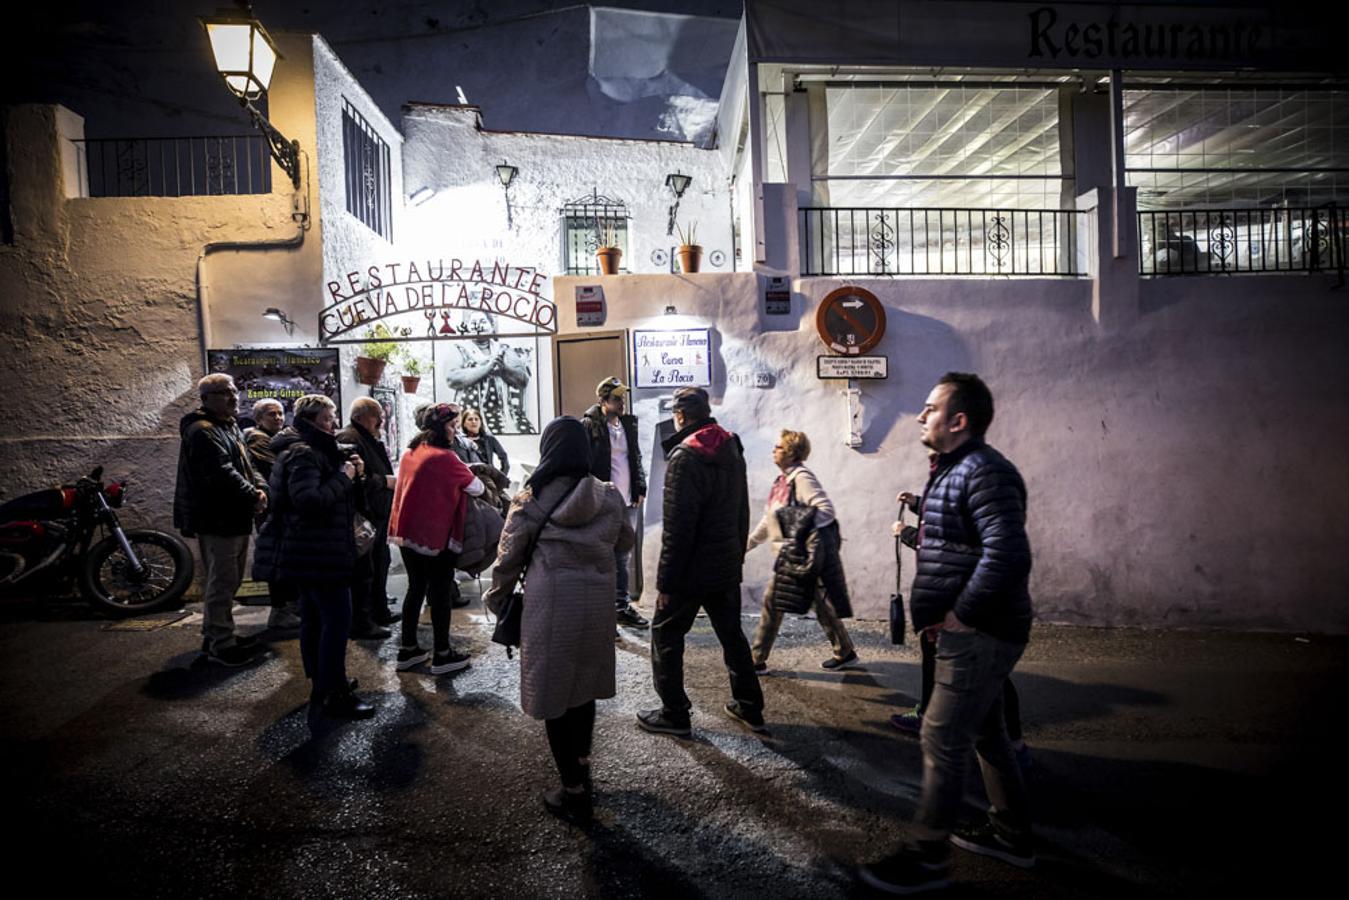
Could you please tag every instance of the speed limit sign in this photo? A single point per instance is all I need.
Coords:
(850, 320)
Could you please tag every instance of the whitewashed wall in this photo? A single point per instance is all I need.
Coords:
(1184, 471)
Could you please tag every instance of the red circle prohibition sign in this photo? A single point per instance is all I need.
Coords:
(850, 320)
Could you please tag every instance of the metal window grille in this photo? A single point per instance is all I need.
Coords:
(1215, 241)
(215, 165)
(586, 221)
(941, 241)
(367, 173)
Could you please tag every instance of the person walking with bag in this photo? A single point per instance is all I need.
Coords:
(430, 505)
(309, 541)
(798, 486)
(566, 524)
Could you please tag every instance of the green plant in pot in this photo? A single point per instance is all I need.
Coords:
(378, 349)
(690, 253)
(413, 369)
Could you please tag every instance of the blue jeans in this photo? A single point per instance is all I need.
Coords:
(325, 622)
(964, 713)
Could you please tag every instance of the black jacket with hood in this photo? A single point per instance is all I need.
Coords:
(217, 487)
(376, 495)
(308, 535)
(601, 453)
(975, 557)
(706, 518)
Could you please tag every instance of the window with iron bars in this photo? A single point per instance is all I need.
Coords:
(586, 223)
(367, 173)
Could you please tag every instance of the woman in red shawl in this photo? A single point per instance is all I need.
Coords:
(430, 502)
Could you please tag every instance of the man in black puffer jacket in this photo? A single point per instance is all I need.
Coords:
(704, 534)
(974, 563)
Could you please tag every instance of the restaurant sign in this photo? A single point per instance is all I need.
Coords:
(429, 299)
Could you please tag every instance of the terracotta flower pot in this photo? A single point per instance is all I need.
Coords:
(368, 370)
(410, 383)
(608, 259)
(690, 257)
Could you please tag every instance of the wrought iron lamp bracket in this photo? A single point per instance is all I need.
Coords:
(286, 152)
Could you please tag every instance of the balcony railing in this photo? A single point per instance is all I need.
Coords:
(947, 241)
(1201, 242)
(175, 167)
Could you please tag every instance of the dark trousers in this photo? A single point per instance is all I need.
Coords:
(362, 594)
(380, 558)
(430, 578)
(569, 737)
(325, 621)
(1011, 701)
(283, 594)
(668, 627)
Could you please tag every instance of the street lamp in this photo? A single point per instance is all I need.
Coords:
(679, 183)
(245, 56)
(506, 174)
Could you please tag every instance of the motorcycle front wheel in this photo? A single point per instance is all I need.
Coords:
(109, 583)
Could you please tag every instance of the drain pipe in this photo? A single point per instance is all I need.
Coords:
(299, 215)
(203, 289)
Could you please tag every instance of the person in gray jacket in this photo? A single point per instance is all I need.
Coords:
(831, 594)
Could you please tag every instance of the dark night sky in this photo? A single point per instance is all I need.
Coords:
(144, 69)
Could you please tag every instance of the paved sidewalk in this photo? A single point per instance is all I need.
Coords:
(1176, 763)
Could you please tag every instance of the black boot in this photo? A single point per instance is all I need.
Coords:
(570, 806)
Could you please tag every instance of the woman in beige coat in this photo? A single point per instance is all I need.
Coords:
(565, 527)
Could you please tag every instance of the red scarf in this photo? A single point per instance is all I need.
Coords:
(429, 503)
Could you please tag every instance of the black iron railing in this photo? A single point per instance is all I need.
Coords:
(175, 167)
(1204, 241)
(944, 241)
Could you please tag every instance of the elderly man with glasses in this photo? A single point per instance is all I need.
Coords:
(217, 497)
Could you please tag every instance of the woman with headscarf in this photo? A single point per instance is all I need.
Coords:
(567, 524)
(430, 503)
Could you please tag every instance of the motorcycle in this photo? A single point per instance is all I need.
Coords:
(49, 533)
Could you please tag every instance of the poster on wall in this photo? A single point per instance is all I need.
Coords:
(284, 375)
(496, 375)
(671, 359)
(388, 401)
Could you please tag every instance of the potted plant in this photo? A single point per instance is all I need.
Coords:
(608, 255)
(412, 373)
(375, 354)
(690, 253)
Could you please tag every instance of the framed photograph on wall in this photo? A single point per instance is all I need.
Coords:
(388, 401)
(497, 375)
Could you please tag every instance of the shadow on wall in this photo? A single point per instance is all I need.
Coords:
(921, 350)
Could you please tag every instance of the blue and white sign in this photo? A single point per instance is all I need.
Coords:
(680, 357)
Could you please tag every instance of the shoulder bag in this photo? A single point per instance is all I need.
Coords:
(507, 631)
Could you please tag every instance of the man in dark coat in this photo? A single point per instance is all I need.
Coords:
(616, 457)
(217, 496)
(705, 531)
(369, 605)
(269, 417)
(971, 590)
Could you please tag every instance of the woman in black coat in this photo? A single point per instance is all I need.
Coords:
(309, 541)
(488, 449)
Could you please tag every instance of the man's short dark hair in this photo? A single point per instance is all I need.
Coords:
(971, 396)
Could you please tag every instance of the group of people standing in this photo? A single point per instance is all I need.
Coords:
(575, 522)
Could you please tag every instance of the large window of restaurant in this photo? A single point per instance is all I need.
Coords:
(1237, 177)
(935, 176)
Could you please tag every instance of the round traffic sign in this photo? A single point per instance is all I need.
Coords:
(850, 320)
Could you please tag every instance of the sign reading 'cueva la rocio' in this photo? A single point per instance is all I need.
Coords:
(428, 299)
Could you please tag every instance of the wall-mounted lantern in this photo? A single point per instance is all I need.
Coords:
(277, 315)
(678, 183)
(506, 174)
(245, 56)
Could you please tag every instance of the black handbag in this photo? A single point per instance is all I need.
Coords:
(897, 599)
(507, 630)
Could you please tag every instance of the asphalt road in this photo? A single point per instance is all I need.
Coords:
(1165, 763)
